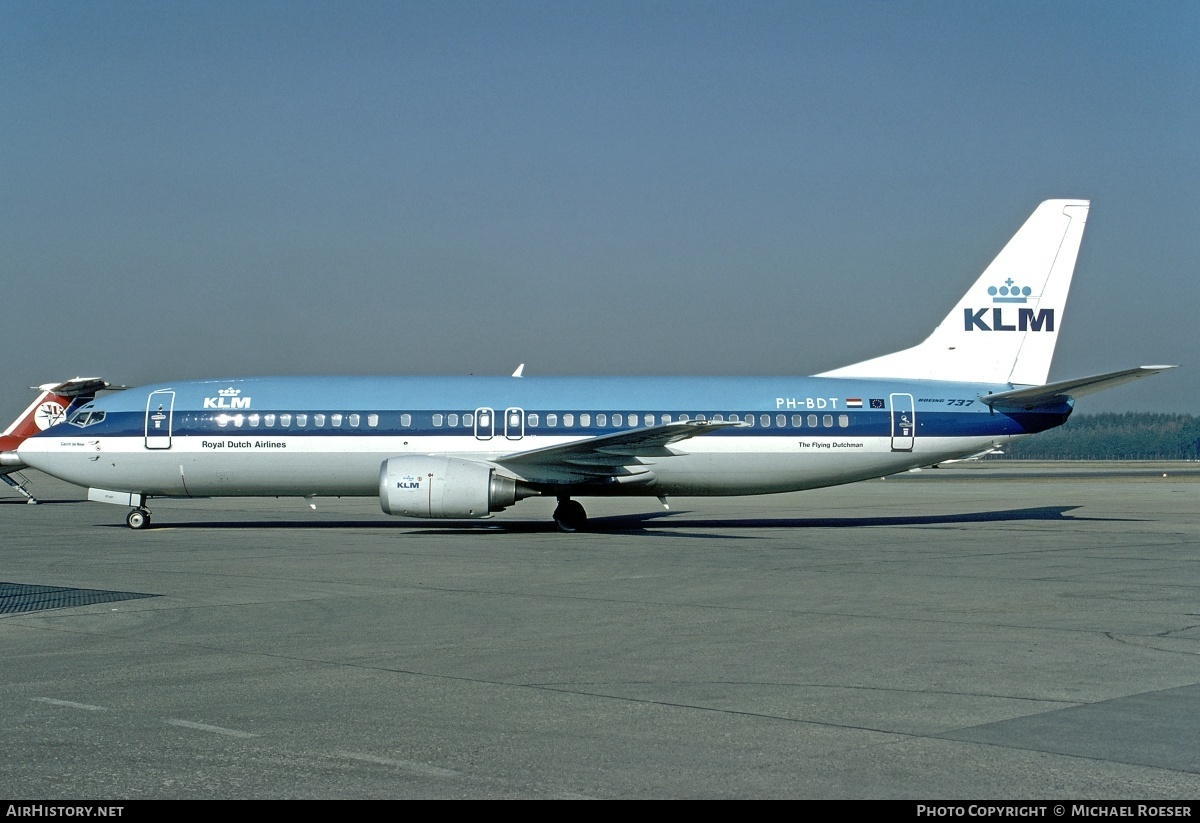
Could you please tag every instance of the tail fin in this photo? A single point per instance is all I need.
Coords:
(52, 405)
(1004, 328)
(46, 411)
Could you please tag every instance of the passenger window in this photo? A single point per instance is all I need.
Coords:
(552, 420)
(335, 420)
(318, 420)
(749, 420)
(633, 420)
(253, 420)
(301, 420)
(764, 420)
(238, 419)
(406, 420)
(269, 420)
(666, 418)
(601, 419)
(285, 420)
(437, 419)
(781, 420)
(812, 421)
(827, 421)
(222, 420)
(618, 420)
(798, 421)
(701, 417)
(733, 418)
(568, 420)
(718, 418)
(469, 419)
(843, 421)
(452, 420)
(585, 420)
(649, 418)
(683, 418)
(372, 421)
(531, 420)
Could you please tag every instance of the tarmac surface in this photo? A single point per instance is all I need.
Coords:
(980, 631)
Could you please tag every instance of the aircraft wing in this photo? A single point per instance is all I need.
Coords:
(1066, 389)
(607, 456)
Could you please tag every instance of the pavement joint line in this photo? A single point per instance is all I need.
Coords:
(204, 727)
(70, 704)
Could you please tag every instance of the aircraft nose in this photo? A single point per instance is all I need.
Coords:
(35, 451)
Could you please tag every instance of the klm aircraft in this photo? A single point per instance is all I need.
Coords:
(464, 447)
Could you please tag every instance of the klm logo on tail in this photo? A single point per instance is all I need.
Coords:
(1027, 319)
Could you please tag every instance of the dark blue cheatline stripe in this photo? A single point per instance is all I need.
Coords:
(863, 423)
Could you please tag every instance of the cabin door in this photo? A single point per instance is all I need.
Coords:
(160, 406)
(904, 423)
(485, 423)
(514, 423)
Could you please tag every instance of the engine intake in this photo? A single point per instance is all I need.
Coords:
(427, 486)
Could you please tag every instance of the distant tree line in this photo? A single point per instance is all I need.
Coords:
(1130, 436)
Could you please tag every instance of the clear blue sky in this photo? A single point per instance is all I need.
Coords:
(217, 189)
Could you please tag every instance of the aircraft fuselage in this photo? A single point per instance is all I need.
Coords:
(328, 436)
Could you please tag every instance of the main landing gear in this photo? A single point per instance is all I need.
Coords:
(138, 518)
(569, 516)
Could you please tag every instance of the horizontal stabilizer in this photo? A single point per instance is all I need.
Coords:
(1052, 393)
(77, 386)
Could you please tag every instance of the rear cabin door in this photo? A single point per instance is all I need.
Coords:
(904, 422)
(160, 406)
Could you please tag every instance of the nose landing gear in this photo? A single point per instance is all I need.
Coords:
(138, 518)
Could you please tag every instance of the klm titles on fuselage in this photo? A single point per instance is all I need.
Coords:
(227, 399)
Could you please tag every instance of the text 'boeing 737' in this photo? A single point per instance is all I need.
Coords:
(465, 447)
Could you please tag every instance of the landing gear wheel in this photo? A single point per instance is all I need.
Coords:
(570, 516)
(138, 519)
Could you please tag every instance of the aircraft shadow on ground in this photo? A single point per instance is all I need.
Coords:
(647, 522)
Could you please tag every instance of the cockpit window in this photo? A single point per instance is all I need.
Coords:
(85, 417)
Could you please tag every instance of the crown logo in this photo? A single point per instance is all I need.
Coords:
(1008, 293)
(229, 392)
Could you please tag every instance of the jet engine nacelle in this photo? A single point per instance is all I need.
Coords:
(425, 486)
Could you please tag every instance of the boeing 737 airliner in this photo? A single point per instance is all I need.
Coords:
(466, 447)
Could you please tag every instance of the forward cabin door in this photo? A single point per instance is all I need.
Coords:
(485, 423)
(904, 422)
(160, 407)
